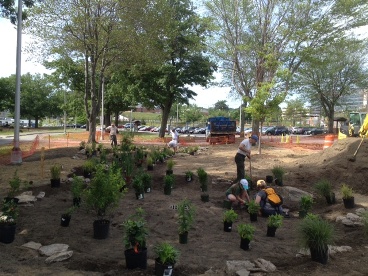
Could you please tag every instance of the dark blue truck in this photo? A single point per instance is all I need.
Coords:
(220, 129)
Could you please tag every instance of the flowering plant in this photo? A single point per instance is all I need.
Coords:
(7, 220)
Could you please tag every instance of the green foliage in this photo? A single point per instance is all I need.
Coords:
(82, 144)
(105, 190)
(77, 186)
(138, 184)
(170, 164)
(306, 203)
(246, 231)
(55, 171)
(275, 220)
(89, 166)
(70, 210)
(323, 187)
(346, 191)
(278, 172)
(230, 216)
(149, 161)
(14, 184)
(186, 212)
(135, 230)
(365, 223)
(253, 207)
(189, 174)
(169, 181)
(126, 141)
(10, 210)
(203, 178)
(166, 253)
(127, 163)
(146, 179)
(316, 233)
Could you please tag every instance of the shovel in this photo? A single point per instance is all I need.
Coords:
(352, 159)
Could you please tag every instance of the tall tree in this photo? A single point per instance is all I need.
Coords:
(295, 110)
(331, 72)
(255, 39)
(8, 9)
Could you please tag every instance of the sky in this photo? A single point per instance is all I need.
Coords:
(206, 97)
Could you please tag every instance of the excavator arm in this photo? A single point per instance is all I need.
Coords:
(363, 131)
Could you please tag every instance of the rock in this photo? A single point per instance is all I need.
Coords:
(52, 249)
(24, 232)
(347, 222)
(353, 217)
(243, 272)
(58, 257)
(235, 266)
(32, 245)
(26, 198)
(339, 249)
(340, 218)
(40, 195)
(360, 211)
(265, 265)
(293, 194)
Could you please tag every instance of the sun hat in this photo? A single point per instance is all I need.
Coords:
(261, 183)
(254, 137)
(244, 183)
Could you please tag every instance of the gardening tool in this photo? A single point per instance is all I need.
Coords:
(352, 159)
(250, 168)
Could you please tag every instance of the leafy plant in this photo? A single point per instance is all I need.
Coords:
(323, 187)
(77, 186)
(346, 191)
(166, 253)
(70, 211)
(104, 191)
(138, 184)
(253, 207)
(82, 144)
(203, 179)
(14, 184)
(9, 212)
(170, 164)
(186, 213)
(149, 161)
(306, 203)
(147, 180)
(189, 174)
(278, 172)
(136, 231)
(365, 223)
(315, 233)
(55, 171)
(246, 231)
(169, 181)
(230, 216)
(275, 220)
(89, 166)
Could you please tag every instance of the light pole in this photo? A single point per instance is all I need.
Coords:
(16, 154)
(102, 108)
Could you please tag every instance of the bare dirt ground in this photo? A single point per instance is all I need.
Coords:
(209, 247)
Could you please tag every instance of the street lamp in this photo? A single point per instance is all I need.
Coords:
(16, 154)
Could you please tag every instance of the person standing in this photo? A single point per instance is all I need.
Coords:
(113, 132)
(244, 150)
(174, 140)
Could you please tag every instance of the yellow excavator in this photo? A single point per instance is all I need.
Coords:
(363, 131)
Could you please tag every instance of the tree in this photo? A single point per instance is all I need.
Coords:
(182, 64)
(7, 93)
(192, 114)
(331, 72)
(9, 10)
(295, 110)
(255, 39)
(221, 105)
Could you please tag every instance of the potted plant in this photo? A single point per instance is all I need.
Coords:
(205, 197)
(138, 187)
(147, 182)
(191, 150)
(88, 168)
(203, 179)
(139, 156)
(170, 165)
(149, 162)
(186, 212)
(14, 184)
(8, 221)
(168, 184)
(316, 234)
(102, 196)
(55, 171)
(246, 233)
(135, 234)
(65, 217)
(306, 203)
(127, 166)
(167, 255)
(278, 172)
(229, 218)
(188, 176)
(324, 188)
(273, 222)
(99, 147)
(347, 196)
(253, 209)
(77, 190)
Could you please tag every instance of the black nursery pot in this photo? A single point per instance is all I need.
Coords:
(65, 220)
(136, 259)
(244, 244)
(269, 179)
(349, 202)
(228, 226)
(253, 217)
(55, 183)
(320, 256)
(101, 229)
(205, 198)
(271, 231)
(331, 199)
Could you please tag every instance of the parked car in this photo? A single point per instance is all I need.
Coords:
(129, 125)
(315, 131)
(277, 130)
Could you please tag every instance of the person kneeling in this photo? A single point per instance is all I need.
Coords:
(237, 193)
(268, 199)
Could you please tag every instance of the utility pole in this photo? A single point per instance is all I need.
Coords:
(16, 154)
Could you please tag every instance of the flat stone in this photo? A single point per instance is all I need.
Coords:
(360, 211)
(52, 249)
(339, 218)
(25, 198)
(243, 272)
(32, 245)
(347, 222)
(41, 195)
(293, 194)
(59, 257)
(234, 266)
(353, 217)
(339, 249)
(265, 265)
